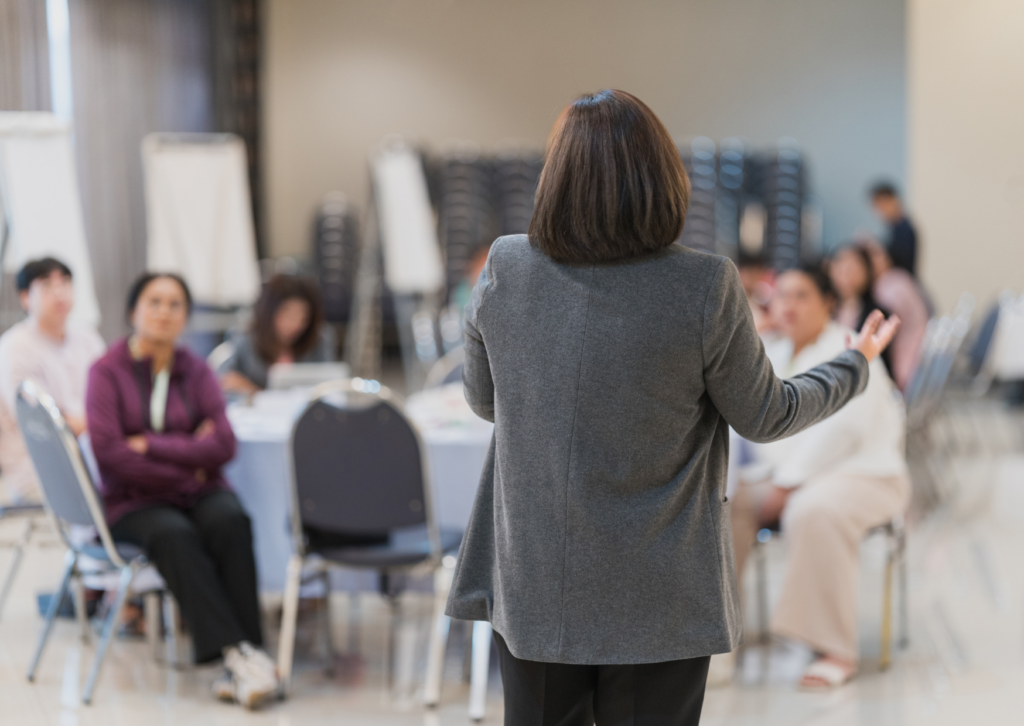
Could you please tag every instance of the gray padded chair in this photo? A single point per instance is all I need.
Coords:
(71, 499)
(358, 468)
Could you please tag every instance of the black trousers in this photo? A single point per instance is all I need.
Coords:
(205, 556)
(556, 694)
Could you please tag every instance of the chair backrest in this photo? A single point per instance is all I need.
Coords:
(220, 355)
(446, 370)
(358, 463)
(63, 477)
(940, 348)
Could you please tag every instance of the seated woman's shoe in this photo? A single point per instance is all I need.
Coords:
(824, 674)
(254, 674)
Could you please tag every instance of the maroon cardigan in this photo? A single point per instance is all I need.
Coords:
(178, 468)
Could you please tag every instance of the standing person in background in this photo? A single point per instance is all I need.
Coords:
(44, 348)
(161, 436)
(898, 292)
(612, 363)
(287, 327)
(902, 242)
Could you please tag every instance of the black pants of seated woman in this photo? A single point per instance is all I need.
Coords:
(205, 556)
(558, 694)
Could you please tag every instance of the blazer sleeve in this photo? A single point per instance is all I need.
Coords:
(740, 380)
(476, 369)
(109, 440)
(209, 452)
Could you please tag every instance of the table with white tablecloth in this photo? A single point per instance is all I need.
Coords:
(456, 444)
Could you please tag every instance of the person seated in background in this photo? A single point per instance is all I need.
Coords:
(45, 348)
(827, 485)
(757, 279)
(898, 292)
(287, 327)
(854, 281)
(160, 437)
(902, 242)
(464, 290)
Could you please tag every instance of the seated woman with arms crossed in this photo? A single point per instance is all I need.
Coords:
(287, 327)
(828, 484)
(160, 436)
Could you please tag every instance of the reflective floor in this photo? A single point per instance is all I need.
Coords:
(964, 664)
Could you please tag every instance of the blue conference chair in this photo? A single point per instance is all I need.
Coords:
(358, 468)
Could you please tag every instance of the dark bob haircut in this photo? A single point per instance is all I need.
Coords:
(140, 285)
(276, 291)
(613, 184)
(37, 269)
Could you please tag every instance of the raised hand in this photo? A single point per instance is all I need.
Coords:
(876, 334)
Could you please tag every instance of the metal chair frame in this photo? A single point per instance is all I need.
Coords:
(444, 367)
(71, 575)
(31, 514)
(895, 563)
(375, 393)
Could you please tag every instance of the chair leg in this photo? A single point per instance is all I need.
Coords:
(392, 639)
(327, 625)
(354, 645)
(81, 616)
(113, 617)
(151, 610)
(406, 634)
(172, 643)
(885, 660)
(761, 575)
(480, 669)
(904, 628)
(70, 560)
(17, 553)
(289, 615)
(438, 637)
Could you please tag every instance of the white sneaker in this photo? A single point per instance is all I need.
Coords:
(224, 687)
(254, 674)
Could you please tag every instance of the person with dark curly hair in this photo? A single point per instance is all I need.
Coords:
(287, 327)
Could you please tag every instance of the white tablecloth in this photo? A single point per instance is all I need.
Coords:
(456, 442)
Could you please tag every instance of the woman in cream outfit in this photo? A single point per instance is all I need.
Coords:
(827, 485)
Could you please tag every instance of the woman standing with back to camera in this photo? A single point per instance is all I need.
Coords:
(612, 363)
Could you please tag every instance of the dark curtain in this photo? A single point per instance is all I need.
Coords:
(237, 29)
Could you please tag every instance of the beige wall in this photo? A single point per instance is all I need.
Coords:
(340, 75)
(966, 143)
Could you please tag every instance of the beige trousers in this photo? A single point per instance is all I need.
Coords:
(823, 524)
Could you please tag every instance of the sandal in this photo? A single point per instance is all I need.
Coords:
(824, 675)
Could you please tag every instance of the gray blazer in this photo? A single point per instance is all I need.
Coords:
(600, 532)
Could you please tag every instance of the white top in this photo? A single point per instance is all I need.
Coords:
(60, 368)
(865, 437)
(158, 399)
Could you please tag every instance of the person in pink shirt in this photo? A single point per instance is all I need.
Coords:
(897, 291)
(45, 348)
